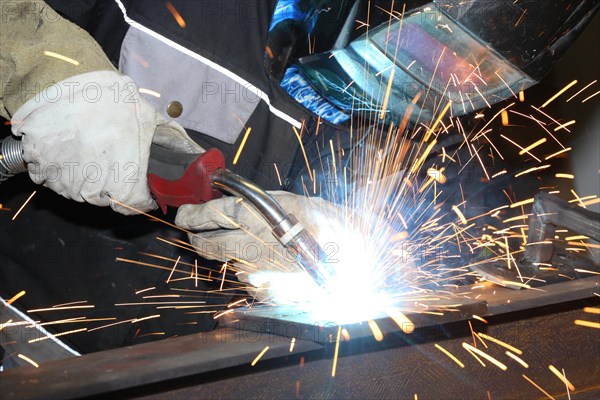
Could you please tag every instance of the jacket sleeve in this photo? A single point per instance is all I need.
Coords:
(39, 48)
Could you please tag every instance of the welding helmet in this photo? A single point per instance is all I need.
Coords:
(467, 54)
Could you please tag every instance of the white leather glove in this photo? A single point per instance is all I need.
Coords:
(88, 138)
(229, 229)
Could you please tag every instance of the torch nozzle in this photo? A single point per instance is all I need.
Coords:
(285, 227)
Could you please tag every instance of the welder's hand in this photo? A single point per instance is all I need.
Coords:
(229, 229)
(88, 138)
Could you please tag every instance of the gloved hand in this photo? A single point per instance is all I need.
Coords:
(88, 138)
(229, 229)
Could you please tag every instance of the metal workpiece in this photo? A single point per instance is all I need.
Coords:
(294, 322)
(285, 227)
(11, 158)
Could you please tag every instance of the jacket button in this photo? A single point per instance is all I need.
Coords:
(174, 109)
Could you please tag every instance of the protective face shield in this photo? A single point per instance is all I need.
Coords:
(472, 54)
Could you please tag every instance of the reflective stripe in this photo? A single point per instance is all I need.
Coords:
(37, 326)
(210, 64)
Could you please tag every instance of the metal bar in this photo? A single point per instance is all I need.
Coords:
(143, 364)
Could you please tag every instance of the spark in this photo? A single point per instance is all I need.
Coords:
(485, 355)
(564, 176)
(220, 314)
(532, 170)
(517, 359)
(16, 297)
(501, 343)
(224, 269)
(135, 320)
(504, 118)
(558, 153)
(437, 121)
(520, 148)
(591, 201)
(51, 336)
(564, 126)
(24, 204)
(578, 198)
(336, 351)
(29, 360)
(178, 18)
(377, 334)
(235, 303)
(459, 214)
(7, 323)
(522, 203)
(145, 290)
(292, 342)
(149, 92)
(278, 175)
(475, 356)
(587, 86)
(159, 303)
(538, 387)
(173, 270)
(593, 95)
(587, 324)
(561, 377)
(520, 18)
(258, 357)
(61, 57)
(59, 308)
(551, 99)
(386, 98)
(401, 320)
(242, 144)
(532, 146)
(477, 317)
(452, 357)
(591, 310)
(303, 153)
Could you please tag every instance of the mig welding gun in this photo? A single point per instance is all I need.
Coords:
(176, 179)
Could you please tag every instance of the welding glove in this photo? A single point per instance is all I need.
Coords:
(88, 138)
(86, 131)
(230, 229)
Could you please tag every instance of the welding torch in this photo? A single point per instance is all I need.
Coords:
(175, 179)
